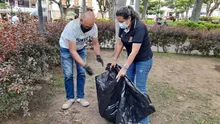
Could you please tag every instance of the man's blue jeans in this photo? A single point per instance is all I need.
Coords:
(67, 66)
(138, 72)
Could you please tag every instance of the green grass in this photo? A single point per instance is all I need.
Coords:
(150, 22)
(195, 95)
(174, 55)
(199, 117)
(165, 54)
(58, 80)
(162, 91)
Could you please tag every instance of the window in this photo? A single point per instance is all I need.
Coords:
(33, 5)
(132, 2)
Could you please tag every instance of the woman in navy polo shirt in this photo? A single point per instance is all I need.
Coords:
(133, 36)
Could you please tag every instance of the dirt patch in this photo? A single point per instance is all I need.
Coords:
(217, 67)
(184, 89)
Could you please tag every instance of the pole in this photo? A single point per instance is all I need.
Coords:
(40, 17)
(159, 8)
(11, 13)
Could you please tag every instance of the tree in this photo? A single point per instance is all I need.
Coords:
(40, 17)
(196, 10)
(63, 7)
(211, 6)
(107, 6)
(84, 6)
(119, 4)
(137, 6)
(3, 5)
(111, 8)
(144, 9)
(172, 4)
(102, 7)
(184, 6)
(180, 6)
(152, 7)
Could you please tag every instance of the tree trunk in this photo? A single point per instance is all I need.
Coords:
(40, 18)
(216, 5)
(111, 9)
(210, 13)
(208, 6)
(137, 6)
(100, 7)
(187, 13)
(84, 6)
(144, 10)
(119, 3)
(62, 15)
(102, 13)
(63, 10)
(196, 11)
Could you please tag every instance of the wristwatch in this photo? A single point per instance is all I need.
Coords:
(125, 66)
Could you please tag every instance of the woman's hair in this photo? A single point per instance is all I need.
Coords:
(127, 11)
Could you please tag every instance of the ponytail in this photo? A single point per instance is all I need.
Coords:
(125, 12)
(133, 14)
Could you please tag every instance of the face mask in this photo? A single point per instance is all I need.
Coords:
(123, 25)
(84, 29)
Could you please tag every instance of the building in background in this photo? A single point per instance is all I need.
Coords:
(51, 9)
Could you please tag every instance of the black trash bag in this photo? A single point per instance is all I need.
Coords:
(108, 94)
(134, 105)
(121, 102)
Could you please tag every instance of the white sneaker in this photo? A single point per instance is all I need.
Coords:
(83, 102)
(68, 103)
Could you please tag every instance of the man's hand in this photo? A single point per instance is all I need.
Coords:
(88, 70)
(99, 59)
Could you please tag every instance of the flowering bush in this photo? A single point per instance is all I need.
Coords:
(25, 56)
(106, 34)
(202, 40)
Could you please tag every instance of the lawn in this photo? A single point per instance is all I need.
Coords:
(184, 89)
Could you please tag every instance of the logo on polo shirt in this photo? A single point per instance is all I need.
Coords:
(130, 39)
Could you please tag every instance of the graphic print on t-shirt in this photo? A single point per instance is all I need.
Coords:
(81, 42)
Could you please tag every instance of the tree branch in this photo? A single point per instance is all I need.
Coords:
(55, 1)
(216, 5)
(67, 3)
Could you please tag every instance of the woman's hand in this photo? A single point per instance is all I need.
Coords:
(113, 64)
(121, 73)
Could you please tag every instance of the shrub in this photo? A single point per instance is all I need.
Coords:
(26, 56)
(150, 21)
(106, 34)
(172, 18)
(204, 18)
(191, 25)
(166, 36)
(53, 33)
(102, 19)
(203, 40)
(200, 25)
(14, 91)
(212, 26)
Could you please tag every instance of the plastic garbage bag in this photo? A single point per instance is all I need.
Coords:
(121, 102)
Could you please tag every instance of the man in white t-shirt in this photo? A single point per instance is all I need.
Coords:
(15, 20)
(72, 48)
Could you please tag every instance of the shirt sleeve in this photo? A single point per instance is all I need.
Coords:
(139, 35)
(119, 32)
(68, 32)
(95, 34)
